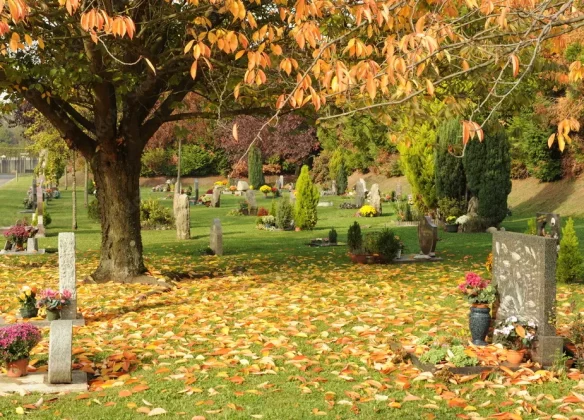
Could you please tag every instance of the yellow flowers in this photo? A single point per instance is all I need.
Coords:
(368, 211)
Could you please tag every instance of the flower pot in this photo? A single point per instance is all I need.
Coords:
(479, 321)
(297, 229)
(451, 228)
(515, 357)
(53, 314)
(17, 368)
(28, 312)
(358, 258)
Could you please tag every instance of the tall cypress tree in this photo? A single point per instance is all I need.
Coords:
(496, 178)
(474, 164)
(450, 176)
(569, 260)
(307, 196)
(341, 179)
(255, 168)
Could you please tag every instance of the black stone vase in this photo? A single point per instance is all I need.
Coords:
(479, 321)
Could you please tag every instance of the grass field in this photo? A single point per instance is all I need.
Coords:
(277, 330)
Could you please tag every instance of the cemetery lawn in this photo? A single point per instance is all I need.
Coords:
(274, 329)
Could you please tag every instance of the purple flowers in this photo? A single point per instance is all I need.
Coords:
(17, 340)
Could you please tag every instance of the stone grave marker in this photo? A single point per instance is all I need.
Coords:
(242, 186)
(60, 352)
(292, 198)
(280, 183)
(375, 198)
(359, 194)
(524, 270)
(216, 198)
(551, 221)
(32, 245)
(182, 215)
(427, 236)
(334, 189)
(40, 201)
(67, 276)
(216, 239)
(250, 197)
(196, 191)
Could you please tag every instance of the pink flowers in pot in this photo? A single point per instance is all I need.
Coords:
(17, 340)
(53, 299)
(477, 289)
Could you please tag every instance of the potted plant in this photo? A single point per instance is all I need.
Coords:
(244, 207)
(53, 301)
(451, 225)
(480, 294)
(16, 342)
(265, 189)
(27, 300)
(371, 246)
(516, 335)
(17, 235)
(206, 200)
(233, 188)
(355, 244)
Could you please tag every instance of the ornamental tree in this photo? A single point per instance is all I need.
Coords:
(307, 195)
(108, 75)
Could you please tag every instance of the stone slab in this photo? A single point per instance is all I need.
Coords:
(67, 274)
(547, 349)
(37, 382)
(23, 253)
(407, 259)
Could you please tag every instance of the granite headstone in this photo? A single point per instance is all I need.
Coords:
(375, 198)
(427, 236)
(524, 271)
(216, 238)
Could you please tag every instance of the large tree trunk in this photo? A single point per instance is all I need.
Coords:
(117, 177)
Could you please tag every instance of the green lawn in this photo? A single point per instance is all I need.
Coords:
(277, 330)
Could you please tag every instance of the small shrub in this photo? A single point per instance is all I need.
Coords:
(371, 242)
(154, 215)
(47, 219)
(243, 207)
(354, 238)
(434, 356)
(388, 245)
(332, 236)
(284, 214)
(425, 340)
(93, 211)
(305, 213)
(577, 331)
(90, 186)
(460, 359)
(262, 211)
(569, 267)
(273, 209)
(367, 211)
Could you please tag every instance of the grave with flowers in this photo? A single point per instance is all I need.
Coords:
(59, 375)
(523, 294)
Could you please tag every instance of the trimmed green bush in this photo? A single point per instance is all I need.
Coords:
(450, 177)
(154, 215)
(284, 215)
(255, 168)
(307, 195)
(342, 179)
(354, 238)
(569, 267)
(93, 211)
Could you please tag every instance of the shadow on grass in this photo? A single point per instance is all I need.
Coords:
(549, 198)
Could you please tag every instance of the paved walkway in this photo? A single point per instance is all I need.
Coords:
(4, 178)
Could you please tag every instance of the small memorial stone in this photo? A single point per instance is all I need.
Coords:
(32, 245)
(334, 188)
(216, 239)
(292, 198)
(359, 195)
(216, 198)
(250, 197)
(427, 236)
(60, 352)
(182, 214)
(67, 275)
(375, 198)
(242, 186)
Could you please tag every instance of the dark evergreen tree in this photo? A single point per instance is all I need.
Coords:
(341, 179)
(495, 183)
(450, 176)
(474, 164)
(255, 168)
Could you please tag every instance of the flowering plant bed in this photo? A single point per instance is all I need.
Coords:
(515, 333)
